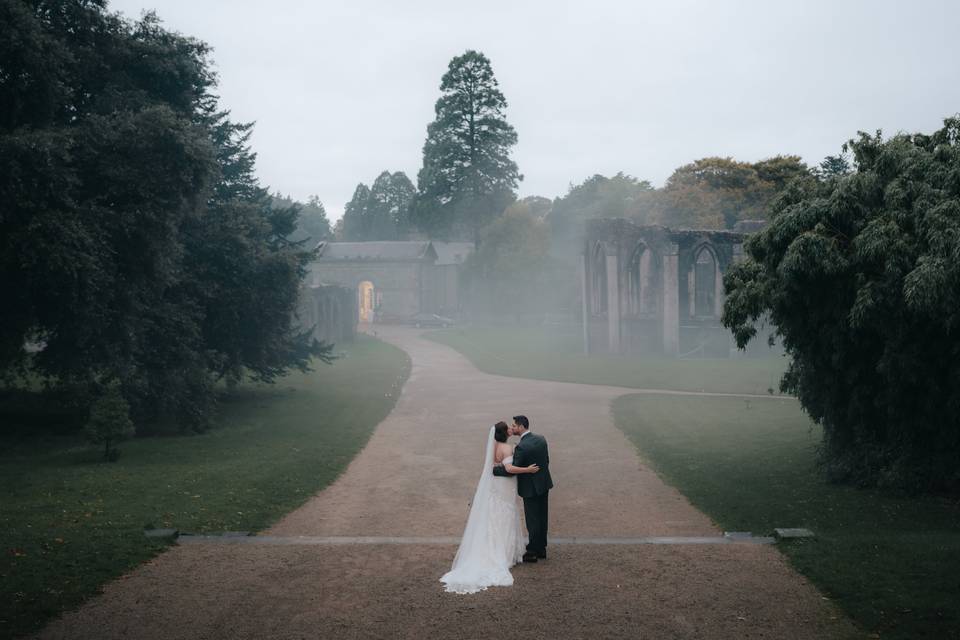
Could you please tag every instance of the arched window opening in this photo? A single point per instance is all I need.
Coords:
(639, 291)
(704, 284)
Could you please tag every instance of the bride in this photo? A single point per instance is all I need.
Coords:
(492, 540)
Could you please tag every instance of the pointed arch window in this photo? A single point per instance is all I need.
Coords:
(639, 290)
(704, 291)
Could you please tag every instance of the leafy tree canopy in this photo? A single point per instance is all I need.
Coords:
(860, 273)
(511, 273)
(619, 196)
(380, 212)
(312, 222)
(716, 193)
(135, 242)
(467, 177)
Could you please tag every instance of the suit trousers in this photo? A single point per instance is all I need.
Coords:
(535, 515)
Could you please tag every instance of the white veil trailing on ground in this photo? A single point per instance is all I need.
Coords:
(476, 565)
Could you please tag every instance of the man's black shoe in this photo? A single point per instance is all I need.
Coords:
(542, 556)
(529, 557)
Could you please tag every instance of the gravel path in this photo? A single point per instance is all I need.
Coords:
(415, 478)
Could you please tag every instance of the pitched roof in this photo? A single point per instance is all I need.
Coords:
(452, 252)
(386, 251)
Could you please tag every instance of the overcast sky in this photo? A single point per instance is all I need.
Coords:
(343, 90)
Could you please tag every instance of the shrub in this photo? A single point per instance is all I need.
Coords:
(860, 273)
(109, 422)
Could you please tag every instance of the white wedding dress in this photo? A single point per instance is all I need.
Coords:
(492, 540)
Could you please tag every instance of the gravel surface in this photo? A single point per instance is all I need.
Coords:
(415, 478)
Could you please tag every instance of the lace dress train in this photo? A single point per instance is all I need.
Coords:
(493, 538)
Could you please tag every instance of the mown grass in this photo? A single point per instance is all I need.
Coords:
(558, 355)
(892, 563)
(69, 522)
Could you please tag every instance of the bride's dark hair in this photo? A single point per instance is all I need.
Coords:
(500, 432)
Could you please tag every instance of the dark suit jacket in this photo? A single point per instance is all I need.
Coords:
(532, 449)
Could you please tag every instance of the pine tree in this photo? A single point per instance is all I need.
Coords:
(355, 219)
(467, 178)
(388, 207)
(380, 212)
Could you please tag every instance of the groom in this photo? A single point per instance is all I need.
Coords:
(532, 487)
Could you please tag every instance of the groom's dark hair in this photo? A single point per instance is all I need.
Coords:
(522, 421)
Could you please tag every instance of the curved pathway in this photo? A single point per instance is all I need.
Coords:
(414, 480)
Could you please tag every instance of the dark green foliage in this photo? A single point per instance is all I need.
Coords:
(620, 196)
(135, 241)
(313, 225)
(352, 223)
(467, 177)
(381, 212)
(109, 422)
(861, 275)
(833, 167)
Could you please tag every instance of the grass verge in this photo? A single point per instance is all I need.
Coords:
(892, 563)
(69, 523)
(555, 355)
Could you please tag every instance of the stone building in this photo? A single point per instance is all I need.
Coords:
(394, 280)
(649, 289)
(329, 310)
(450, 259)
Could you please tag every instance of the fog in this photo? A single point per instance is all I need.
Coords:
(248, 383)
(342, 91)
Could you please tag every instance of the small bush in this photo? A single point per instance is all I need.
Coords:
(109, 422)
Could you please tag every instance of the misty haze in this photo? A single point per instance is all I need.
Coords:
(539, 320)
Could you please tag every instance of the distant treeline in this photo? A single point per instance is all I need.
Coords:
(467, 179)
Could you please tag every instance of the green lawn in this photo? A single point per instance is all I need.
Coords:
(555, 355)
(892, 563)
(69, 523)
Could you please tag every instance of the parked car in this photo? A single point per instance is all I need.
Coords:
(431, 320)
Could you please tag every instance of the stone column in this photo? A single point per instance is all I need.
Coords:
(613, 304)
(718, 293)
(671, 300)
(585, 303)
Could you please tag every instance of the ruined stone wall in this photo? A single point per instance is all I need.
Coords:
(664, 322)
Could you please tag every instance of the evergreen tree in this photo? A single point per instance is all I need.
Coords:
(388, 207)
(313, 225)
(356, 223)
(380, 212)
(135, 241)
(834, 167)
(467, 178)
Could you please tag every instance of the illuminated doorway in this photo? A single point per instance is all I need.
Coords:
(367, 301)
